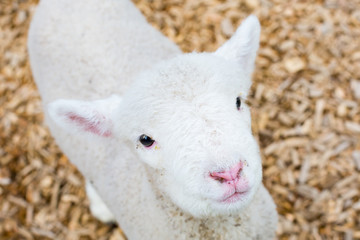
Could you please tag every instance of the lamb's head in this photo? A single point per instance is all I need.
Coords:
(186, 118)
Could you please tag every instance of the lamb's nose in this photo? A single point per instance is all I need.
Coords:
(229, 175)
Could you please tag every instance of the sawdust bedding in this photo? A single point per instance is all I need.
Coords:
(305, 105)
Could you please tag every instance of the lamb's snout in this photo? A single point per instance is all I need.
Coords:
(228, 176)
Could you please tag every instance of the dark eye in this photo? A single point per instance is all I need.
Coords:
(146, 140)
(238, 103)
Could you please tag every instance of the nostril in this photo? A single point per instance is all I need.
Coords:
(216, 177)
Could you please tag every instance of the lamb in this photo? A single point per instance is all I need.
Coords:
(163, 138)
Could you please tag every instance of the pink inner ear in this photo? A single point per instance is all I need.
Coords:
(91, 126)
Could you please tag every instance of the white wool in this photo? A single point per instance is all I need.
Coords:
(97, 206)
(107, 77)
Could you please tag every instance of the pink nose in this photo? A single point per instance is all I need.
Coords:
(229, 175)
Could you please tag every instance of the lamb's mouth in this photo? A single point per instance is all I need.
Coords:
(236, 196)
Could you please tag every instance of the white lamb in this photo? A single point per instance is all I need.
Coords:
(169, 146)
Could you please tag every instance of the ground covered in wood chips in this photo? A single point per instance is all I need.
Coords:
(306, 116)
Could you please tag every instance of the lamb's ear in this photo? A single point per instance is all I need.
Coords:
(94, 117)
(242, 46)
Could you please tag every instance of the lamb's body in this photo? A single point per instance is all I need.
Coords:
(84, 50)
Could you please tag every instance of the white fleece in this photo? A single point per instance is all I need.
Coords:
(108, 77)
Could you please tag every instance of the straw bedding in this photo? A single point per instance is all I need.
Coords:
(305, 106)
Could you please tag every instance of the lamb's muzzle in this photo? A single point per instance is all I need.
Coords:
(229, 176)
(236, 185)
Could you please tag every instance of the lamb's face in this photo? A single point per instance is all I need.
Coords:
(189, 121)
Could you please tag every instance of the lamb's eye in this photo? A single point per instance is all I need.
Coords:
(238, 103)
(146, 140)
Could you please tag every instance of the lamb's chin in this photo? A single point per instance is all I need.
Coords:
(203, 208)
(232, 204)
